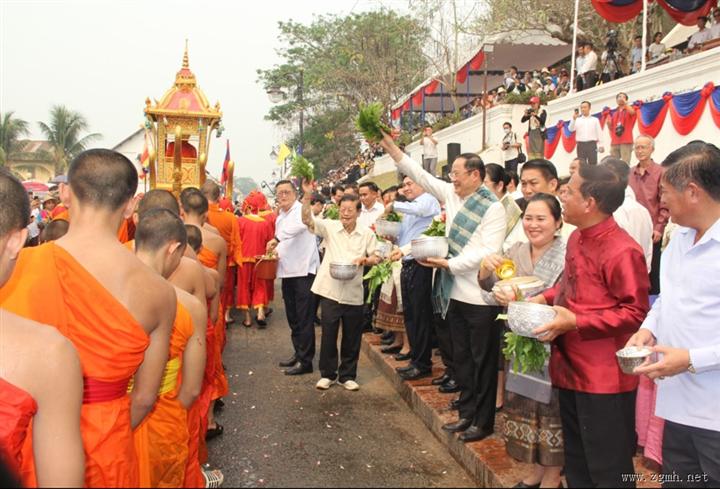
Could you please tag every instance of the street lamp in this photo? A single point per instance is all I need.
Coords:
(487, 49)
(276, 95)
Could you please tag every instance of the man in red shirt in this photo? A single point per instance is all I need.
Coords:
(645, 180)
(601, 302)
(621, 129)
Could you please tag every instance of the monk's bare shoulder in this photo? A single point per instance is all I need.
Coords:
(211, 228)
(214, 242)
(151, 296)
(196, 308)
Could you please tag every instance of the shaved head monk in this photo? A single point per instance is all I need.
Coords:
(40, 375)
(117, 311)
(227, 225)
(162, 440)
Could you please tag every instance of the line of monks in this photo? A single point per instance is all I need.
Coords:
(120, 391)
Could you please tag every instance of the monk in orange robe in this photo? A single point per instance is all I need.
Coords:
(88, 281)
(255, 232)
(162, 440)
(226, 224)
(40, 375)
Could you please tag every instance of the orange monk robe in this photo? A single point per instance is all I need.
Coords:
(226, 223)
(17, 409)
(109, 341)
(255, 232)
(161, 440)
(127, 231)
(60, 212)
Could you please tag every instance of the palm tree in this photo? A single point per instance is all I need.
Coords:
(11, 129)
(64, 132)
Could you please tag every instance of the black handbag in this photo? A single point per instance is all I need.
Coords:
(521, 157)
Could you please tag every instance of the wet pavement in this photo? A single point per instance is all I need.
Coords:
(282, 432)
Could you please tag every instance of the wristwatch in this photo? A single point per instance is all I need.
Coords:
(691, 369)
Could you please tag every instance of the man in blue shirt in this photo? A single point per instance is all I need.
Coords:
(415, 279)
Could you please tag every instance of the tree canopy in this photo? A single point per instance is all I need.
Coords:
(65, 131)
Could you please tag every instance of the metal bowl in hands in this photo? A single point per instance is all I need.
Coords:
(343, 270)
(429, 247)
(384, 249)
(524, 317)
(390, 229)
(632, 357)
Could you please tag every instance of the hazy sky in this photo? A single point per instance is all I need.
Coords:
(103, 58)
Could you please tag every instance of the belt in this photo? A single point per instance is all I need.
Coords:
(95, 390)
(169, 379)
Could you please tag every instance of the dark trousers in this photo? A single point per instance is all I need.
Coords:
(416, 285)
(444, 342)
(587, 150)
(590, 79)
(599, 437)
(655, 271)
(369, 310)
(512, 165)
(333, 313)
(298, 301)
(691, 456)
(476, 345)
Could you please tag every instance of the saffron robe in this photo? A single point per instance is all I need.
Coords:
(17, 409)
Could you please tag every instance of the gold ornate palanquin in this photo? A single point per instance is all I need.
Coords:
(183, 114)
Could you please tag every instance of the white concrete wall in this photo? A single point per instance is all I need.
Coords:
(685, 75)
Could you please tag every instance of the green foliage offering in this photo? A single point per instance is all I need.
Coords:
(302, 169)
(332, 212)
(369, 122)
(436, 228)
(526, 354)
(393, 217)
(377, 276)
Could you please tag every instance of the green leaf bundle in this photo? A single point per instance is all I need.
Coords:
(377, 276)
(436, 228)
(526, 354)
(302, 168)
(393, 217)
(369, 122)
(332, 212)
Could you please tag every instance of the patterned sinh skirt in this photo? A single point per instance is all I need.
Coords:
(533, 430)
(388, 316)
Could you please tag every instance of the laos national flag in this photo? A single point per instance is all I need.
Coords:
(224, 176)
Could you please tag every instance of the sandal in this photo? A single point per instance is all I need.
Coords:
(213, 478)
(214, 432)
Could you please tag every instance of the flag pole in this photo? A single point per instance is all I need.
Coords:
(574, 48)
(644, 35)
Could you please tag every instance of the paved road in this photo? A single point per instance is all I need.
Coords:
(282, 432)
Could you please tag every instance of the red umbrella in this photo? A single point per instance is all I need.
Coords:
(31, 186)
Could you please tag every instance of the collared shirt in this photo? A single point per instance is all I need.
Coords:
(297, 249)
(589, 63)
(368, 217)
(715, 31)
(686, 316)
(341, 246)
(417, 216)
(487, 238)
(606, 285)
(646, 185)
(586, 129)
(636, 220)
(635, 57)
(699, 37)
(429, 147)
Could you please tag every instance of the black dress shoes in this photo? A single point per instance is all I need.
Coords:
(449, 387)
(289, 362)
(415, 374)
(474, 433)
(402, 357)
(406, 368)
(391, 350)
(299, 369)
(387, 335)
(387, 342)
(454, 405)
(460, 425)
(440, 380)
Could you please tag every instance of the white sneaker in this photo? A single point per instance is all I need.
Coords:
(324, 384)
(350, 385)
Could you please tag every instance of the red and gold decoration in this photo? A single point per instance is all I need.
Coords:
(180, 126)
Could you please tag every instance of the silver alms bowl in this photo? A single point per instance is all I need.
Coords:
(524, 317)
(390, 229)
(429, 247)
(632, 357)
(343, 271)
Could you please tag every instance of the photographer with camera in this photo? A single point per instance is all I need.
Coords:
(588, 134)
(621, 129)
(611, 59)
(535, 117)
(588, 71)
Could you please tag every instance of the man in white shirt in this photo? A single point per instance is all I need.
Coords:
(298, 261)
(371, 209)
(588, 71)
(701, 36)
(715, 28)
(588, 134)
(682, 326)
(475, 332)
(631, 215)
(430, 152)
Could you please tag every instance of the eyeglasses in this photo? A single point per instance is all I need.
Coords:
(283, 193)
(455, 174)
